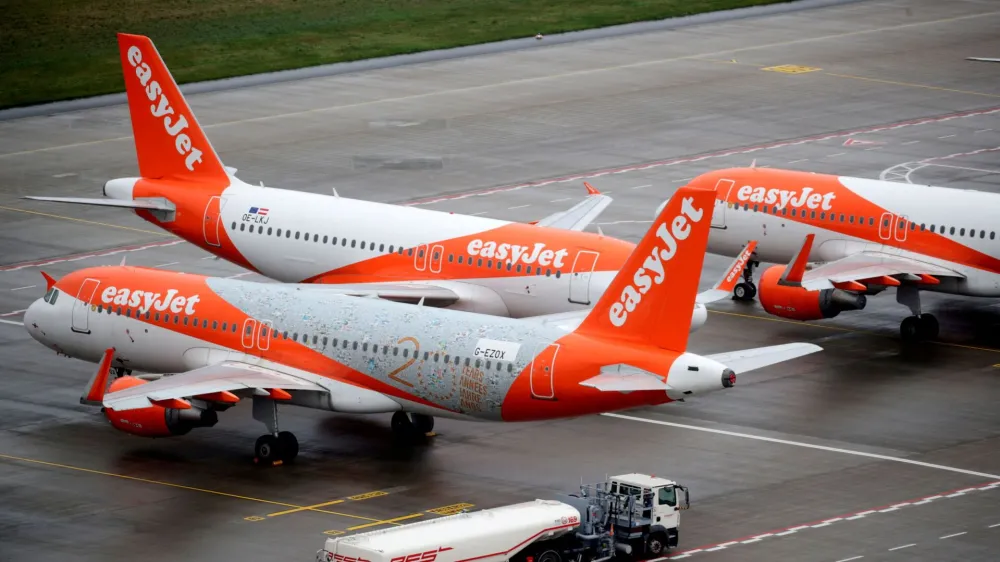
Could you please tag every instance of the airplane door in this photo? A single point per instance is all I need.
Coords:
(420, 258)
(213, 220)
(901, 225)
(543, 377)
(579, 279)
(250, 351)
(264, 335)
(885, 226)
(81, 307)
(437, 254)
(723, 186)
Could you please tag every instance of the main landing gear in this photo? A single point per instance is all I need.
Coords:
(412, 426)
(919, 327)
(276, 447)
(746, 290)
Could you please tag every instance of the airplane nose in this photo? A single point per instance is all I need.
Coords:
(33, 317)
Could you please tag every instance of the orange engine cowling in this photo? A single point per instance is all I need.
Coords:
(801, 304)
(156, 421)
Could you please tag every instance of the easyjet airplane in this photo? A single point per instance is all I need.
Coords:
(395, 252)
(858, 237)
(229, 340)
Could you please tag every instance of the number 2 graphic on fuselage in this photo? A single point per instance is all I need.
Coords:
(394, 375)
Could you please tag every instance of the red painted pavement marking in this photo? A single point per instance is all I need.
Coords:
(83, 256)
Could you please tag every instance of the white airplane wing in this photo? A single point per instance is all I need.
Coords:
(229, 376)
(148, 204)
(411, 293)
(750, 359)
(580, 215)
(870, 265)
(725, 285)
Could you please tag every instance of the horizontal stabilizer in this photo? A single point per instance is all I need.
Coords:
(625, 378)
(750, 359)
(147, 204)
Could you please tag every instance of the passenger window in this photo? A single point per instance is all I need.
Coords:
(466, 361)
(479, 262)
(324, 341)
(451, 258)
(100, 309)
(277, 232)
(204, 323)
(479, 362)
(851, 219)
(913, 226)
(395, 351)
(297, 234)
(362, 244)
(813, 215)
(288, 234)
(177, 319)
(315, 237)
(793, 212)
(315, 340)
(426, 355)
(334, 241)
(923, 227)
(406, 353)
(982, 234)
(305, 236)
(436, 357)
(355, 345)
(250, 229)
(519, 268)
(409, 252)
(952, 231)
(249, 329)
(334, 342)
(437, 255)
(234, 225)
(325, 238)
(381, 248)
(225, 326)
(558, 274)
(961, 232)
(364, 347)
(343, 242)
(284, 335)
(193, 323)
(548, 273)
(128, 312)
(119, 311)
(755, 208)
(992, 234)
(157, 317)
(353, 243)
(147, 312)
(243, 226)
(185, 321)
(510, 367)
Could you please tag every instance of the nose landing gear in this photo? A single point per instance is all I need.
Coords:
(411, 426)
(746, 290)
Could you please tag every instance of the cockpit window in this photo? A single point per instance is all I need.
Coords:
(51, 295)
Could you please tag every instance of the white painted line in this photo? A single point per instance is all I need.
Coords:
(679, 556)
(799, 160)
(835, 155)
(641, 186)
(982, 130)
(911, 142)
(953, 535)
(682, 180)
(751, 541)
(238, 275)
(23, 288)
(13, 312)
(713, 549)
(166, 264)
(519, 207)
(955, 495)
(807, 445)
(993, 525)
(208, 257)
(888, 509)
(66, 175)
(783, 533)
(946, 137)
(11, 322)
(875, 148)
(558, 200)
(479, 213)
(903, 546)
(727, 544)
(849, 559)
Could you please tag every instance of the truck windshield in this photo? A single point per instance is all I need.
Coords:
(668, 496)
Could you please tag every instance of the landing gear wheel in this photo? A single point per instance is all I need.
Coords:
(288, 446)
(656, 544)
(909, 329)
(401, 425)
(549, 556)
(267, 450)
(928, 327)
(744, 291)
(422, 424)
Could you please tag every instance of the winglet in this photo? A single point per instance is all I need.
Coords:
(725, 285)
(591, 190)
(49, 280)
(99, 382)
(797, 267)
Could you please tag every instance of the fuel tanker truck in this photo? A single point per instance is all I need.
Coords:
(633, 516)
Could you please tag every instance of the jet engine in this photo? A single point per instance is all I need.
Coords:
(156, 421)
(798, 303)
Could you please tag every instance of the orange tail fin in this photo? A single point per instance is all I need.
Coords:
(169, 142)
(652, 298)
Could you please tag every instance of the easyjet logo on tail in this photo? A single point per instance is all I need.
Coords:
(786, 198)
(652, 271)
(161, 108)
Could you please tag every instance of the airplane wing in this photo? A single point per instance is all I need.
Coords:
(229, 376)
(869, 267)
(750, 359)
(148, 204)
(580, 215)
(410, 293)
(724, 287)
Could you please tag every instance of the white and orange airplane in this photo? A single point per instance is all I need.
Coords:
(302, 344)
(846, 238)
(394, 252)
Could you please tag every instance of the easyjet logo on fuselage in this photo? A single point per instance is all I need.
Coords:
(786, 198)
(162, 108)
(148, 300)
(515, 253)
(642, 281)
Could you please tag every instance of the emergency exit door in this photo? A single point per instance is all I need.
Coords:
(543, 372)
(82, 306)
(213, 220)
(579, 278)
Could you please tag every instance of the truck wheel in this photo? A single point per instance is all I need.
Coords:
(548, 556)
(656, 544)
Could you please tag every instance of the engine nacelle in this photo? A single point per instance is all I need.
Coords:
(798, 303)
(156, 421)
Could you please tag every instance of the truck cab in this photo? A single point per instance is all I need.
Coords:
(646, 511)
